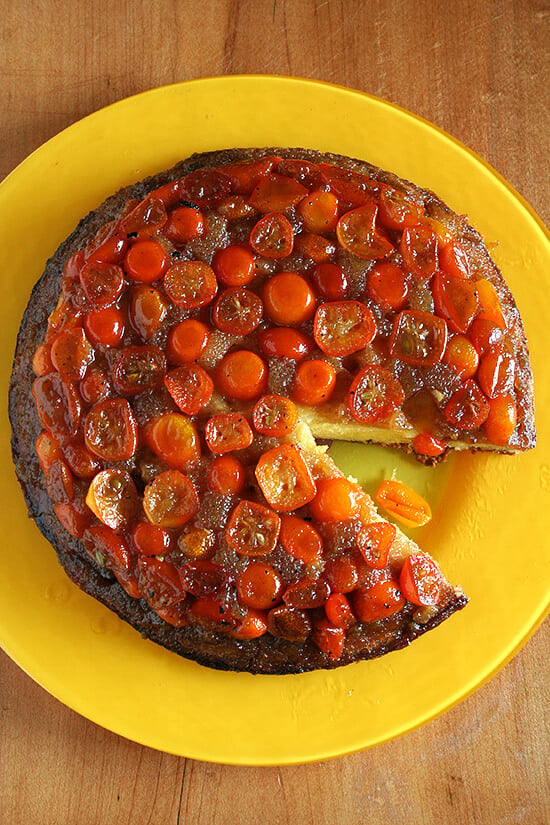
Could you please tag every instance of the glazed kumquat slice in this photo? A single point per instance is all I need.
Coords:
(338, 611)
(418, 338)
(403, 503)
(259, 586)
(319, 211)
(285, 478)
(374, 540)
(380, 600)
(419, 248)
(203, 577)
(226, 432)
(234, 265)
(284, 342)
(146, 310)
(113, 498)
(102, 283)
(316, 247)
(237, 311)
(42, 360)
(187, 341)
(110, 430)
(453, 260)
(174, 438)
(190, 386)
(274, 415)
(330, 281)
(276, 193)
(204, 187)
(307, 593)
(272, 236)
(374, 395)
(468, 407)
(288, 299)
(226, 475)
(185, 223)
(300, 539)
(138, 369)
(105, 326)
(57, 404)
(489, 301)
(396, 210)
(342, 574)
(456, 300)
(47, 450)
(150, 540)
(343, 327)
(501, 420)
(252, 529)
(250, 626)
(196, 542)
(190, 284)
(159, 582)
(357, 233)
(314, 382)
(71, 354)
(241, 374)
(462, 356)
(170, 500)
(146, 261)
(496, 373)
(420, 580)
(336, 499)
(387, 285)
(429, 445)
(329, 638)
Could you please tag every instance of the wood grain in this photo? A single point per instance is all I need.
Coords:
(477, 68)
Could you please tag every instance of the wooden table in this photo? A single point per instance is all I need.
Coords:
(478, 69)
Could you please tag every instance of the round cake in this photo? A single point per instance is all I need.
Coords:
(183, 350)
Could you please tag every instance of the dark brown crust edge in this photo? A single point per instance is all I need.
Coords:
(267, 654)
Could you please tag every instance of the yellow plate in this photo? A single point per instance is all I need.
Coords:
(490, 526)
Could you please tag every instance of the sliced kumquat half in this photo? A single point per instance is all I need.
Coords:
(190, 386)
(501, 420)
(253, 529)
(259, 586)
(170, 500)
(285, 478)
(336, 499)
(273, 236)
(329, 638)
(226, 475)
(420, 580)
(187, 341)
(403, 503)
(113, 498)
(374, 540)
(380, 600)
(174, 438)
(190, 284)
(288, 299)
(300, 539)
(241, 374)
(343, 327)
(314, 382)
(339, 612)
(275, 415)
(319, 211)
(226, 432)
